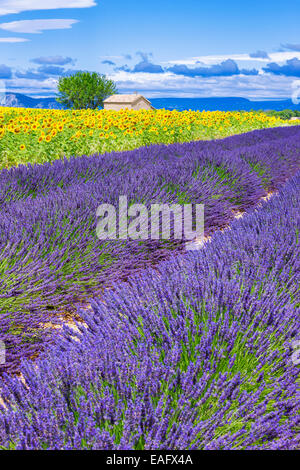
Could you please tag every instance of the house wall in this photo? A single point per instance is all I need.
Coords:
(116, 106)
(141, 104)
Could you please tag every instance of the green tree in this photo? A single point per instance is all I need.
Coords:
(84, 90)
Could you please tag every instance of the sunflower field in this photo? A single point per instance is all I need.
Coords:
(40, 135)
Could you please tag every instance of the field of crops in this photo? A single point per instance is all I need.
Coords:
(38, 136)
(180, 350)
(195, 356)
(51, 259)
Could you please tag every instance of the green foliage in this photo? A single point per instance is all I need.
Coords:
(286, 114)
(84, 90)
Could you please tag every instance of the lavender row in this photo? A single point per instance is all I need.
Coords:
(197, 354)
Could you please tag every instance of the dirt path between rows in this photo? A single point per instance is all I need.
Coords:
(192, 246)
(198, 244)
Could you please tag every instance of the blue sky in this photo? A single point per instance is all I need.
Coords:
(159, 47)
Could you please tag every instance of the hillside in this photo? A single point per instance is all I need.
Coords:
(19, 100)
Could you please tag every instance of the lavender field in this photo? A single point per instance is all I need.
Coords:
(179, 350)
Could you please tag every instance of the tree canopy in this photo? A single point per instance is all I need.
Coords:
(84, 90)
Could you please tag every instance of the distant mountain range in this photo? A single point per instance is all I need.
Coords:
(222, 104)
(17, 100)
(201, 104)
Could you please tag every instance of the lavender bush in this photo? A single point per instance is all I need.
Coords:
(196, 354)
(50, 257)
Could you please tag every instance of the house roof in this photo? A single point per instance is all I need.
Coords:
(128, 99)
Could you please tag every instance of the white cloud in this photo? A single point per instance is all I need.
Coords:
(263, 86)
(29, 86)
(260, 87)
(283, 56)
(214, 59)
(210, 59)
(12, 40)
(16, 6)
(37, 26)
